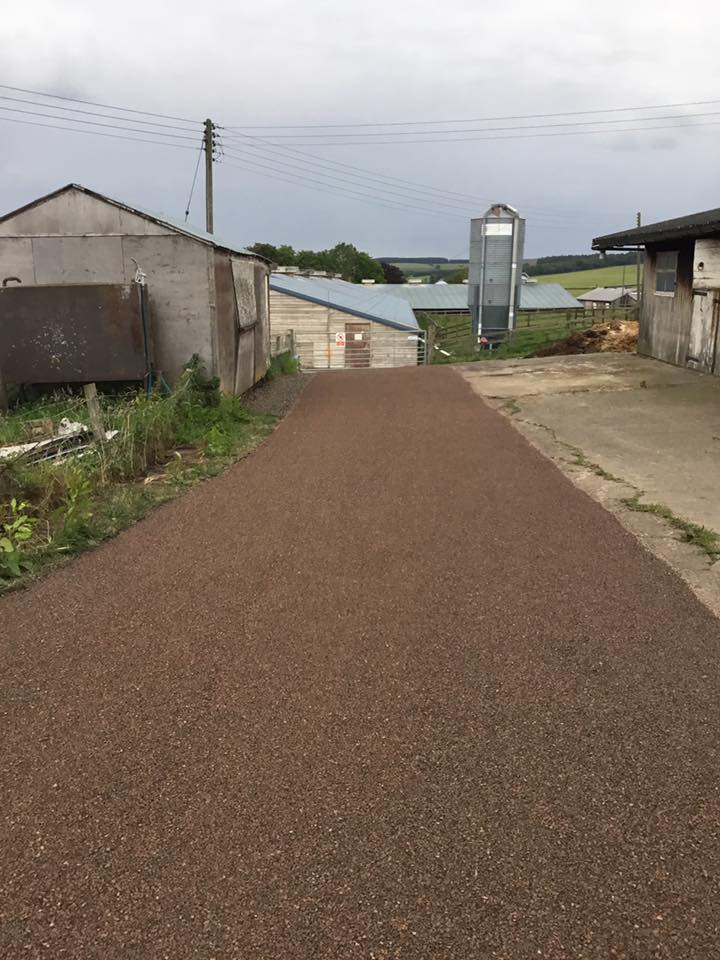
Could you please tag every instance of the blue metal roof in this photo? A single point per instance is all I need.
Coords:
(454, 296)
(547, 296)
(361, 300)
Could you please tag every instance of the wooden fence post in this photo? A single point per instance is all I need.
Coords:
(93, 405)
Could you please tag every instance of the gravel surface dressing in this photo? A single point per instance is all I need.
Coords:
(277, 396)
(389, 688)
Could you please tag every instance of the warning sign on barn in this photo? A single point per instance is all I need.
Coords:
(339, 339)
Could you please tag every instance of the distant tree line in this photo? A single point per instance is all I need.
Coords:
(569, 263)
(352, 264)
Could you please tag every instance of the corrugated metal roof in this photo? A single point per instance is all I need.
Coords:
(547, 296)
(606, 294)
(428, 296)
(160, 218)
(454, 296)
(368, 302)
(703, 224)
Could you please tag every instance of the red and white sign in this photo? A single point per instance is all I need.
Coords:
(339, 339)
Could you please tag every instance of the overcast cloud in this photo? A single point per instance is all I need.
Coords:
(324, 61)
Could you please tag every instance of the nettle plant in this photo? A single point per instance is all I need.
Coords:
(14, 532)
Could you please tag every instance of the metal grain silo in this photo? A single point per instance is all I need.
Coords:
(496, 259)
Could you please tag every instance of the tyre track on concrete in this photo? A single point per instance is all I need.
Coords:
(390, 688)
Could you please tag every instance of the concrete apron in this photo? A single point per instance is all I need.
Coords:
(624, 427)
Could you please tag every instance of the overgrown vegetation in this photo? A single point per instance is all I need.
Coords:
(164, 443)
(707, 540)
(283, 363)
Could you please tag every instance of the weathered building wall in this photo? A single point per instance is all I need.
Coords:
(315, 327)
(665, 318)
(76, 213)
(76, 238)
(179, 274)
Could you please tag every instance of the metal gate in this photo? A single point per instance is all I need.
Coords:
(340, 350)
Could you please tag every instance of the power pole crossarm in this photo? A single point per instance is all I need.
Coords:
(209, 149)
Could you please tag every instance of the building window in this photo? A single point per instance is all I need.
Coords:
(666, 271)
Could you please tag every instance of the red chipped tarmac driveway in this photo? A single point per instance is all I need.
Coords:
(389, 688)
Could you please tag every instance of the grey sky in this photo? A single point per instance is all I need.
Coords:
(323, 61)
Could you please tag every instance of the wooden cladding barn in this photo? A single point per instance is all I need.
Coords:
(338, 325)
(680, 309)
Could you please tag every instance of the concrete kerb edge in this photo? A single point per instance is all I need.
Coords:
(653, 532)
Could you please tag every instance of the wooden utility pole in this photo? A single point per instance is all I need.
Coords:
(638, 266)
(209, 148)
(3, 394)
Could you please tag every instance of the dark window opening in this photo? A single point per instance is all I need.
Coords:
(666, 271)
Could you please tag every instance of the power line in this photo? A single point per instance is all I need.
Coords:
(526, 116)
(531, 136)
(431, 202)
(324, 187)
(327, 188)
(409, 185)
(96, 133)
(365, 137)
(94, 103)
(95, 123)
(194, 179)
(453, 204)
(91, 113)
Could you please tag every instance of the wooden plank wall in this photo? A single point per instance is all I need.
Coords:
(665, 320)
(315, 327)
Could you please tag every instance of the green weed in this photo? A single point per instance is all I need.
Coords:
(707, 540)
(283, 363)
(15, 531)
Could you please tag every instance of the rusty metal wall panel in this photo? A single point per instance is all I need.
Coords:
(71, 334)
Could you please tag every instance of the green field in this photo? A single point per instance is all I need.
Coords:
(533, 331)
(581, 281)
(576, 283)
(429, 272)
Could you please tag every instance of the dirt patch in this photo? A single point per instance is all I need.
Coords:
(615, 336)
(277, 396)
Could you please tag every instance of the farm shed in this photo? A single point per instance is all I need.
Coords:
(680, 305)
(337, 325)
(602, 298)
(453, 297)
(204, 296)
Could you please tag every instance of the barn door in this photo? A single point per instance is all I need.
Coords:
(703, 341)
(357, 344)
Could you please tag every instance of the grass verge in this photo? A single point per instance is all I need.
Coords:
(707, 540)
(52, 510)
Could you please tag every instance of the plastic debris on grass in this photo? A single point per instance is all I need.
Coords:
(71, 439)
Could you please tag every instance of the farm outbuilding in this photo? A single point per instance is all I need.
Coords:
(338, 325)
(680, 304)
(603, 298)
(453, 297)
(77, 250)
